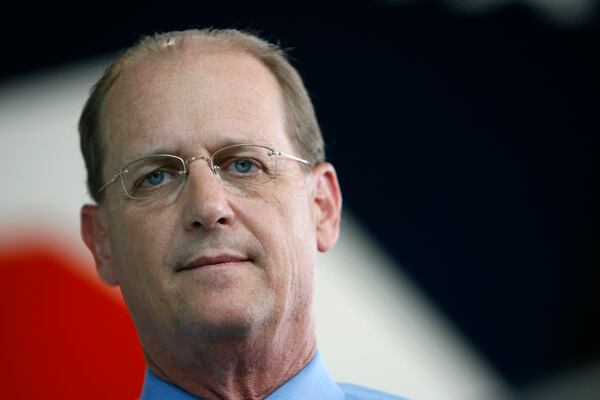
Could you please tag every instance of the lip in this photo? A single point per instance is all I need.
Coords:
(216, 260)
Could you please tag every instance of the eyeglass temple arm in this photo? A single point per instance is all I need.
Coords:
(282, 154)
(114, 178)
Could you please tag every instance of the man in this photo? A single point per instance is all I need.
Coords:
(206, 162)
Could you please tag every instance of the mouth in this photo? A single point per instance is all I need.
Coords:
(220, 260)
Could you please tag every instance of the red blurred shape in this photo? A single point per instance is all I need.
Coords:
(62, 336)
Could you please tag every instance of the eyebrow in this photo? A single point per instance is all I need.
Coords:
(176, 151)
(159, 150)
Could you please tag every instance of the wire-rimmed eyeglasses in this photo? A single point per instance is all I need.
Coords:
(237, 165)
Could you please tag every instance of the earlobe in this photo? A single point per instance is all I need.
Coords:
(94, 235)
(328, 206)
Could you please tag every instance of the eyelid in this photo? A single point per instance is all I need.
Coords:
(173, 175)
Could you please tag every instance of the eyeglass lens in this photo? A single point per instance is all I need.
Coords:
(159, 175)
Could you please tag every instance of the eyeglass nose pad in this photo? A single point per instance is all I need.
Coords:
(213, 168)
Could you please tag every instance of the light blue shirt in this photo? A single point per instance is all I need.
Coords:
(312, 382)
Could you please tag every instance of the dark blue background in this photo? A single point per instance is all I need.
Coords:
(466, 144)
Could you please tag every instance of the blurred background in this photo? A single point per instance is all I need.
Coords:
(465, 135)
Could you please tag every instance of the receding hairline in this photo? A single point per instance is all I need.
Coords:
(177, 44)
(195, 47)
(201, 42)
(195, 44)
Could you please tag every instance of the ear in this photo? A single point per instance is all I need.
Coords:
(327, 200)
(94, 234)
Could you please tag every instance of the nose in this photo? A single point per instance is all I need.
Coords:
(206, 203)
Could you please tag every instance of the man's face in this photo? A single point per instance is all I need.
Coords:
(207, 261)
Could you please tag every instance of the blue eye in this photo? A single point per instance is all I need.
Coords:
(154, 179)
(242, 166)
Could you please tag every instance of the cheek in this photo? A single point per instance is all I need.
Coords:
(141, 244)
(139, 267)
(292, 242)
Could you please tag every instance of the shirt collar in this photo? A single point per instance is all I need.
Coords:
(311, 382)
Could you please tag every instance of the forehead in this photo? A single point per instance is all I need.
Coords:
(190, 100)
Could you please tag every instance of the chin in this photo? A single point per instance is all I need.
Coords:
(222, 332)
(226, 319)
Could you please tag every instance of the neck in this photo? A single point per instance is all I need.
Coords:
(251, 367)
